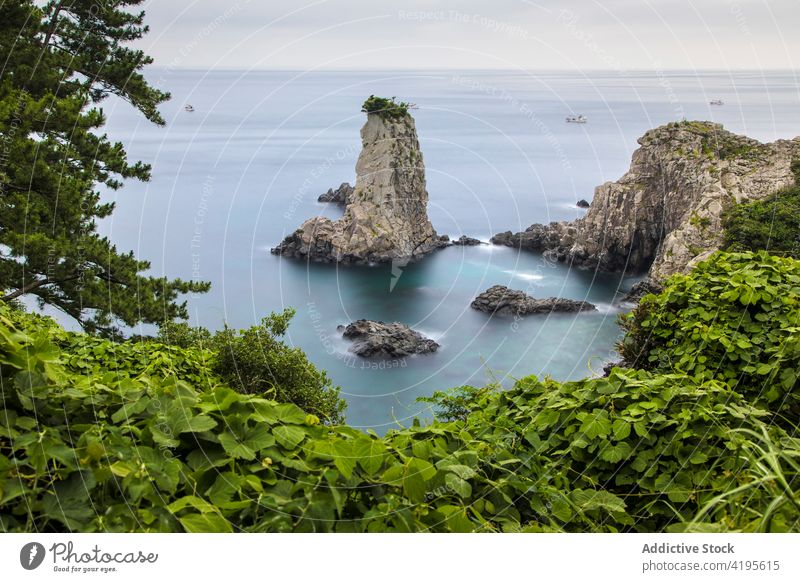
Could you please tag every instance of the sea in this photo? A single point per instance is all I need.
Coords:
(233, 177)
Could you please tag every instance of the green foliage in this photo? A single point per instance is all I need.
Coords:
(771, 224)
(103, 451)
(143, 445)
(716, 143)
(658, 446)
(386, 108)
(735, 319)
(60, 60)
(256, 361)
(775, 464)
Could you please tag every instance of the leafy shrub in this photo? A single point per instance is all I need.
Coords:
(771, 224)
(127, 443)
(106, 452)
(256, 361)
(648, 449)
(766, 501)
(386, 108)
(735, 319)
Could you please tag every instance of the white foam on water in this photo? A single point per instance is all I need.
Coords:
(525, 276)
(608, 308)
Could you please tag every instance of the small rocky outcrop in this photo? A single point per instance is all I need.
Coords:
(386, 340)
(640, 289)
(339, 196)
(385, 216)
(500, 300)
(582, 203)
(665, 214)
(466, 241)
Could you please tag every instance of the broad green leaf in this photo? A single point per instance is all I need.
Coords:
(205, 523)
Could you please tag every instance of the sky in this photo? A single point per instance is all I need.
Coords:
(613, 35)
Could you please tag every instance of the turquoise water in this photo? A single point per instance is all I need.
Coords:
(232, 178)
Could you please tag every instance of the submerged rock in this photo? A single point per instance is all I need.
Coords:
(339, 196)
(465, 240)
(385, 217)
(388, 340)
(640, 289)
(665, 214)
(500, 300)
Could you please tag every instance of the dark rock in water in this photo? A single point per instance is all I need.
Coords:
(640, 289)
(339, 196)
(582, 203)
(500, 300)
(553, 238)
(388, 340)
(465, 240)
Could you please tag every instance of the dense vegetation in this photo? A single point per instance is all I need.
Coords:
(386, 108)
(734, 319)
(772, 223)
(156, 446)
(60, 60)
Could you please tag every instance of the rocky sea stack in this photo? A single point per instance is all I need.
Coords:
(385, 216)
(665, 214)
(500, 300)
(339, 196)
(387, 340)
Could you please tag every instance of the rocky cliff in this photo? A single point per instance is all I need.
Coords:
(385, 216)
(664, 214)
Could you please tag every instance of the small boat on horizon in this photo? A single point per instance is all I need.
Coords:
(576, 119)
(189, 108)
(716, 102)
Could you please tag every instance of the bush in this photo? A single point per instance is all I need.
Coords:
(255, 361)
(771, 224)
(101, 436)
(635, 451)
(735, 319)
(100, 451)
(386, 108)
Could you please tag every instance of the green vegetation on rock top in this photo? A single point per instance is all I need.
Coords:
(386, 108)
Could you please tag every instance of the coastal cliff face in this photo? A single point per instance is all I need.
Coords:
(385, 217)
(664, 215)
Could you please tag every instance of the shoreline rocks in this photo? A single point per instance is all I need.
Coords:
(339, 196)
(500, 300)
(388, 340)
(664, 215)
(467, 241)
(385, 215)
(582, 203)
(640, 289)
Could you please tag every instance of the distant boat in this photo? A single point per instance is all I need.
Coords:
(716, 102)
(576, 119)
(189, 108)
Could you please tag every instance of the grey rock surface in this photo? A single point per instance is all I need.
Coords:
(500, 300)
(340, 196)
(385, 217)
(387, 340)
(665, 214)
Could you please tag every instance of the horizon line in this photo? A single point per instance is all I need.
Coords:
(447, 69)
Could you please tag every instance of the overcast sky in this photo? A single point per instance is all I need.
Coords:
(416, 34)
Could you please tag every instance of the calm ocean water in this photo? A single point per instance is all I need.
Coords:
(232, 178)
